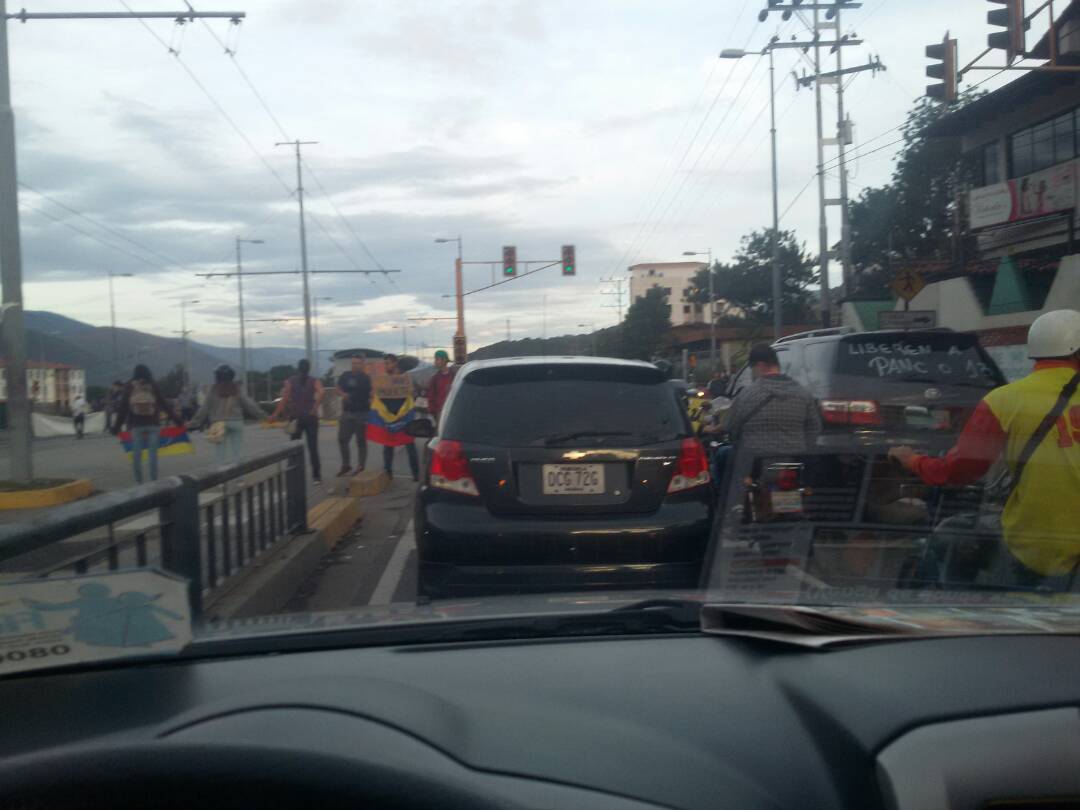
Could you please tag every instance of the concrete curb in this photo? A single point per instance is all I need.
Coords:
(268, 584)
(51, 496)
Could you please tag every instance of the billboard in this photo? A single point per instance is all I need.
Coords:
(1047, 192)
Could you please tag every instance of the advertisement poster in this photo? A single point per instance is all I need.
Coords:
(1047, 192)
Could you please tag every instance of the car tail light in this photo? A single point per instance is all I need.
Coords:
(788, 479)
(850, 412)
(692, 468)
(450, 469)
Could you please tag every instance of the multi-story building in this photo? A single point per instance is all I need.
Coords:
(675, 278)
(52, 386)
(1021, 143)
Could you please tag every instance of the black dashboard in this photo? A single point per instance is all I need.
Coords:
(687, 721)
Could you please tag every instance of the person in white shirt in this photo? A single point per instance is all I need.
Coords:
(78, 414)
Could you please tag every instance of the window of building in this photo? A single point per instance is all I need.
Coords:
(686, 309)
(1043, 145)
(667, 290)
(652, 272)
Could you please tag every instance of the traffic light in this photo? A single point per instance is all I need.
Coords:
(509, 260)
(945, 53)
(569, 266)
(1011, 18)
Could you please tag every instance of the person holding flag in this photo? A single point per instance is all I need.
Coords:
(392, 408)
(139, 410)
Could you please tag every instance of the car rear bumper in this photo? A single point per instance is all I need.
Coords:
(463, 549)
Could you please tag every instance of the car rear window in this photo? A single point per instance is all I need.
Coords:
(530, 405)
(955, 359)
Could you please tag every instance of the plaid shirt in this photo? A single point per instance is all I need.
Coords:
(774, 414)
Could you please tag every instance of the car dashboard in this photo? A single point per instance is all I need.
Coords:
(688, 721)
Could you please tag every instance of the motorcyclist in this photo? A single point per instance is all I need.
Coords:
(1042, 514)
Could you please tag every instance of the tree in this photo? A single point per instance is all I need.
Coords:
(647, 324)
(746, 283)
(915, 211)
(172, 382)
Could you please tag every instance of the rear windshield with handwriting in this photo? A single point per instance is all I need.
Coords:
(944, 359)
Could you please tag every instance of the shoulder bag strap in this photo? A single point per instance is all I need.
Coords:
(1044, 427)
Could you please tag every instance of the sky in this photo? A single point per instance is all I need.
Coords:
(608, 124)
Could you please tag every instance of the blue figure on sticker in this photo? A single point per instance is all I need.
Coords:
(103, 620)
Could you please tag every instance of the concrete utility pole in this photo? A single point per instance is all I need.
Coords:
(777, 282)
(460, 346)
(240, 304)
(841, 145)
(308, 344)
(112, 307)
(823, 223)
(14, 330)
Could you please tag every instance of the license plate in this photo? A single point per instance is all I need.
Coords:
(787, 503)
(573, 479)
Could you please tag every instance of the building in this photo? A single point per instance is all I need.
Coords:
(52, 386)
(675, 278)
(1021, 144)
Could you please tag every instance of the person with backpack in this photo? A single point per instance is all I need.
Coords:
(139, 410)
(1035, 424)
(301, 400)
(223, 413)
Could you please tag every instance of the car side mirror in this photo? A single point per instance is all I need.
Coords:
(420, 429)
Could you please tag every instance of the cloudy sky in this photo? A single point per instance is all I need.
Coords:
(609, 124)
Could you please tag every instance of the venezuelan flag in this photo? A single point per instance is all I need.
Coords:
(388, 429)
(172, 441)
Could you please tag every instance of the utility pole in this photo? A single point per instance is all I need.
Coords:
(841, 145)
(823, 224)
(777, 283)
(460, 346)
(308, 347)
(617, 292)
(13, 327)
(240, 303)
(112, 308)
(184, 336)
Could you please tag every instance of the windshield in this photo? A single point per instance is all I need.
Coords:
(487, 310)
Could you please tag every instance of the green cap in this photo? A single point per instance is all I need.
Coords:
(441, 354)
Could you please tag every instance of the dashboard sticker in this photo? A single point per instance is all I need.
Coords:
(121, 614)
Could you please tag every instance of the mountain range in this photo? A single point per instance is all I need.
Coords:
(60, 339)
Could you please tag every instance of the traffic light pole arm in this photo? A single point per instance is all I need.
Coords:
(1035, 69)
(508, 280)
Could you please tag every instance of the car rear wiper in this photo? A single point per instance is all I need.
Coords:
(584, 434)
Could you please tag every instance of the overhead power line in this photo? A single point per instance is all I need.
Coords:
(94, 237)
(108, 229)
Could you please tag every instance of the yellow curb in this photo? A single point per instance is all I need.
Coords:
(368, 482)
(53, 496)
(335, 518)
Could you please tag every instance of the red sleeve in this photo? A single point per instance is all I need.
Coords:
(979, 446)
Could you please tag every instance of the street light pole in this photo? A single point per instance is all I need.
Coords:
(315, 308)
(184, 336)
(240, 306)
(459, 292)
(777, 281)
(777, 286)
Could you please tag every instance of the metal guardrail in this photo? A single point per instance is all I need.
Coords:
(201, 535)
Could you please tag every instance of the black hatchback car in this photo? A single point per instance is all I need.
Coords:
(561, 473)
(897, 387)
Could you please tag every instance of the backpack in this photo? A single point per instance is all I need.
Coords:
(142, 401)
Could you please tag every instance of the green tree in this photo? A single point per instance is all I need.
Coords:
(646, 327)
(914, 212)
(746, 282)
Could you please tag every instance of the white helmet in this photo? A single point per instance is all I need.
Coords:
(1055, 334)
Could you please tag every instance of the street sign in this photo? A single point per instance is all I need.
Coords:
(907, 284)
(908, 319)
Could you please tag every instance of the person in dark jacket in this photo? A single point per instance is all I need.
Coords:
(354, 388)
(772, 416)
(226, 402)
(439, 385)
(139, 411)
(301, 399)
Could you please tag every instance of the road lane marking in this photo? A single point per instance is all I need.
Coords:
(395, 569)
